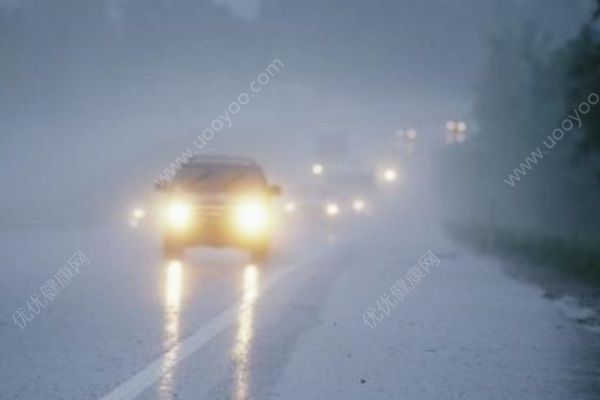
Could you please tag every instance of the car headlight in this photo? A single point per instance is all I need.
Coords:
(179, 214)
(390, 175)
(252, 216)
(289, 207)
(317, 169)
(332, 210)
(358, 205)
(138, 213)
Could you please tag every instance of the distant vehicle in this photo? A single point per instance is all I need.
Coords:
(344, 192)
(218, 202)
(338, 191)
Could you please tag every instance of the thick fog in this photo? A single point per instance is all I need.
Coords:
(97, 98)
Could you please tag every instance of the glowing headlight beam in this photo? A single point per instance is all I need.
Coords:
(332, 209)
(179, 214)
(390, 175)
(317, 169)
(358, 205)
(252, 216)
(138, 213)
(289, 207)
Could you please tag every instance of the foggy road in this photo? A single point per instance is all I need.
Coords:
(297, 200)
(213, 326)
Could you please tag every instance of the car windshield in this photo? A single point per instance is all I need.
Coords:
(218, 178)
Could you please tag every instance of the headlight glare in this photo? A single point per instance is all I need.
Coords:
(252, 216)
(179, 214)
(332, 210)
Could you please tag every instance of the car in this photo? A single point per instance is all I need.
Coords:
(343, 191)
(218, 202)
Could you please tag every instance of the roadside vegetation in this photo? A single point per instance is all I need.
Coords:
(531, 166)
(567, 258)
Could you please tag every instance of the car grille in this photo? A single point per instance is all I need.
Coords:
(212, 212)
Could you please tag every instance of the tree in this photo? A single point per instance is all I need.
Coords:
(583, 80)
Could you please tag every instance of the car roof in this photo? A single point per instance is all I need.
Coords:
(221, 160)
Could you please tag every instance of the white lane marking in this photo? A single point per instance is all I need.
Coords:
(152, 373)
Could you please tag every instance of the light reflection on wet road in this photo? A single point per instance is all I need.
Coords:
(216, 327)
(245, 331)
(173, 286)
(174, 275)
